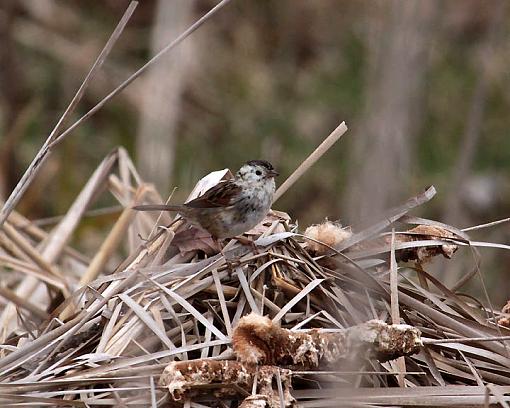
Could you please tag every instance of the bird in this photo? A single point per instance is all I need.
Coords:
(231, 207)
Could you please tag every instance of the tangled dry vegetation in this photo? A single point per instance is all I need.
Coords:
(332, 317)
(286, 321)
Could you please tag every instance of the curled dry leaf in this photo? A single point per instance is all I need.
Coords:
(421, 254)
(504, 319)
(426, 232)
(189, 238)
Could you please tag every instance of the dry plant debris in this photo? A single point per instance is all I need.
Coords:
(140, 317)
(504, 319)
(419, 244)
(428, 232)
(258, 341)
(262, 348)
(326, 235)
(229, 379)
(105, 328)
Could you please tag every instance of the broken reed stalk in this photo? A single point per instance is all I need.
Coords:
(487, 225)
(107, 249)
(114, 209)
(427, 341)
(23, 303)
(112, 241)
(24, 245)
(44, 151)
(394, 306)
(310, 160)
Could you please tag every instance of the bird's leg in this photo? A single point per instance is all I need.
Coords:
(231, 263)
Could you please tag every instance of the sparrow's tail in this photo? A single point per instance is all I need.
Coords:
(157, 207)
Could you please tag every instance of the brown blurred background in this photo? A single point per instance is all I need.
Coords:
(423, 86)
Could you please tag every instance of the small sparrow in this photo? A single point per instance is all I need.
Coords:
(231, 207)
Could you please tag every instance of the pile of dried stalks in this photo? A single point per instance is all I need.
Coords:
(177, 323)
(158, 329)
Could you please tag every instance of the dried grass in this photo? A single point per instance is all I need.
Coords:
(108, 342)
(77, 332)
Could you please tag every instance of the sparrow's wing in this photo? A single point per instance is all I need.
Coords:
(223, 194)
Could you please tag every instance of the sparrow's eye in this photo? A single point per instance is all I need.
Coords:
(258, 173)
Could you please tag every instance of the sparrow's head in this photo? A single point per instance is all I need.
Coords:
(256, 171)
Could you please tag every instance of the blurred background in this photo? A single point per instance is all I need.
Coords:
(423, 86)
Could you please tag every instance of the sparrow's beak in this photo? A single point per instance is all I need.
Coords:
(272, 173)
